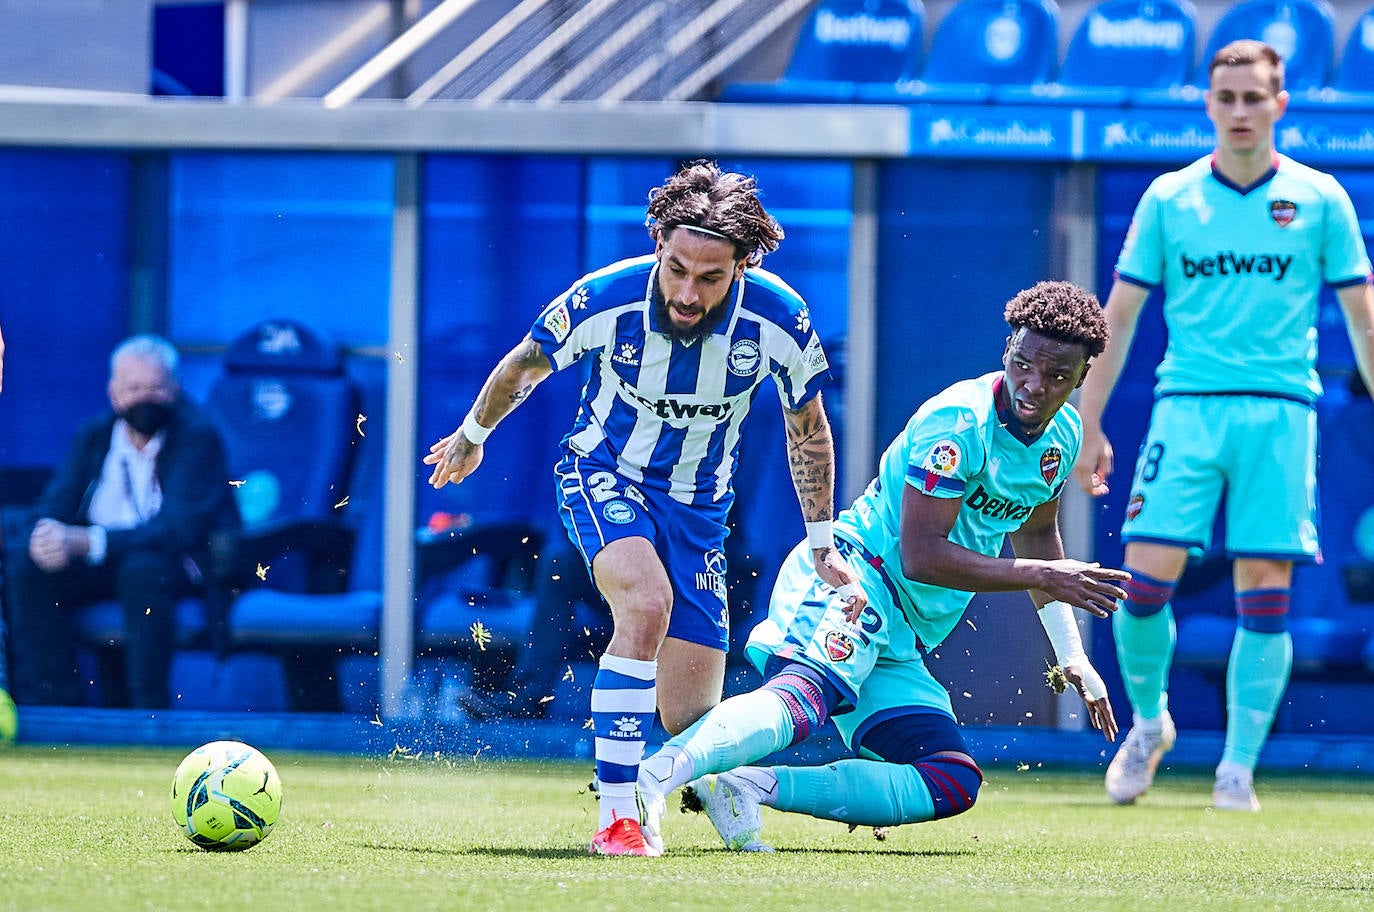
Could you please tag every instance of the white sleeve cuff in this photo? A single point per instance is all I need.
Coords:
(95, 554)
(1062, 628)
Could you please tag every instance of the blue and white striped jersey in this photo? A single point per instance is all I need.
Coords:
(667, 414)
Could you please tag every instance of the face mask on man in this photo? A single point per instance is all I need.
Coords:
(147, 417)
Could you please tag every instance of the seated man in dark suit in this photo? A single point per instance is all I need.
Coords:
(128, 515)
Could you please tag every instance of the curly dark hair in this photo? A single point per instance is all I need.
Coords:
(719, 201)
(1063, 311)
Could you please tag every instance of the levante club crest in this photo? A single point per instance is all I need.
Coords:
(1283, 212)
(838, 646)
(1049, 465)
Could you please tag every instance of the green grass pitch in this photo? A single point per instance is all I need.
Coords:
(91, 829)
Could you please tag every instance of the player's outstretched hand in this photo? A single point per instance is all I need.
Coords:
(836, 572)
(1091, 587)
(1094, 464)
(454, 458)
(1091, 688)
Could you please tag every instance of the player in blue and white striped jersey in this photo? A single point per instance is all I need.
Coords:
(680, 342)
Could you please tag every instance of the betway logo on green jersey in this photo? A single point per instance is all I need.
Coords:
(1228, 262)
(996, 507)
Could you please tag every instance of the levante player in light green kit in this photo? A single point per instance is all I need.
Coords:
(1241, 242)
(982, 461)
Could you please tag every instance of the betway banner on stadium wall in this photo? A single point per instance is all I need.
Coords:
(1332, 135)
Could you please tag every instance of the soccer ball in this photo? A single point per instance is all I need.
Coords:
(226, 795)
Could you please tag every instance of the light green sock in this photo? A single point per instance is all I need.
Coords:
(1256, 678)
(859, 792)
(737, 732)
(1145, 649)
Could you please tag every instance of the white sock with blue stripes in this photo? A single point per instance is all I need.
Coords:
(623, 702)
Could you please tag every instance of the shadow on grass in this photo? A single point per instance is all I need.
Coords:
(876, 850)
(550, 854)
(491, 851)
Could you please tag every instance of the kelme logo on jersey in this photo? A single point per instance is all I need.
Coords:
(618, 512)
(838, 646)
(1049, 465)
(996, 507)
(744, 358)
(626, 353)
(1228, 263)
(1283, 212)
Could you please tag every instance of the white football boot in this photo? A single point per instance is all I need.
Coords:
(732, 803)
(1132, 770)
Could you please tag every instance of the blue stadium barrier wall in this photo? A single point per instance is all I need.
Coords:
(250, 236)
(64, 293)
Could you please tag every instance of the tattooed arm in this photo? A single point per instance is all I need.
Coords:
(811, 457)
(512, 380)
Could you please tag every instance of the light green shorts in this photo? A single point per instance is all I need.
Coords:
(876, 664)
(1259, 452)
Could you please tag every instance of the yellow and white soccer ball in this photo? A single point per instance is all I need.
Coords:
(225, 796)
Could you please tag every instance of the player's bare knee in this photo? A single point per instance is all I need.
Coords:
(677, 719)
(641, 619)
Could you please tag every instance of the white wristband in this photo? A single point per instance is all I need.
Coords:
(473, 431)
(820, 534)
(1062, 628)
(1058, 620)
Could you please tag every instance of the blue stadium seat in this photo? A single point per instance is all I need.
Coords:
(102, 624)
(1131, 44)
(1356, 72)
(289, 411)
(483, 573)
(1302, 31)
(978, 46)
(845, 43)
(1353, 84)
(476, 597)
(1322, 646)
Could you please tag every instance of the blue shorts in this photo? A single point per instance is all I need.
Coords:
(598, 506)
(877, 664)
(1261, 452)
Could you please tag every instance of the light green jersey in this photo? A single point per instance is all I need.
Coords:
(1241, 270)
(958, 444)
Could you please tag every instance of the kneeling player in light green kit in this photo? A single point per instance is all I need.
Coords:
(983, 460)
